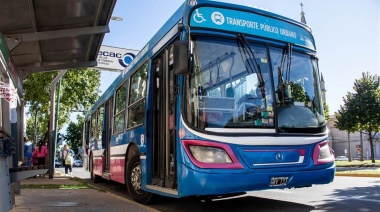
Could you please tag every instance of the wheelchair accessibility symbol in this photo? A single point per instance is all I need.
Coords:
(198, 17)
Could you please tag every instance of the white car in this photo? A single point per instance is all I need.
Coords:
(77, 163)
(57, 163)
(341, 158)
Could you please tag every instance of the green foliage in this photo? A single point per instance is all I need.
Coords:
(79, 90)
(298, 93)
(361, 110)
(73, 135)
(326, 111)
(344, 120)
(366, 103)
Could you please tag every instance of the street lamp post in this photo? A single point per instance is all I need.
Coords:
(35, 124)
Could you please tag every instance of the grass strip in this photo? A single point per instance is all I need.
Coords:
(55, 186)
(81, 185)
(366, 163)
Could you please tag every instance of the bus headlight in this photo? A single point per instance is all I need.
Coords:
(322, 153)
(211, 155)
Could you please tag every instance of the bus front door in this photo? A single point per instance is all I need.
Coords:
(164, 119)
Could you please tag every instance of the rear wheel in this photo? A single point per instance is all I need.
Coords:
(95, 178)
(133, 181)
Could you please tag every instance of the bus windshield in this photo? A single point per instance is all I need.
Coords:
(231, 87)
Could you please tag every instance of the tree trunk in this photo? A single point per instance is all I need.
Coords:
(372, 148)
(349, 148)
(361, 146)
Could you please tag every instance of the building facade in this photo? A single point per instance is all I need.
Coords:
(343, 144)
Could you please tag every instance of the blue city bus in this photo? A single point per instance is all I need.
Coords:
(224, 99)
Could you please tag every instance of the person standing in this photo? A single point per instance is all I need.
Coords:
(68, 158)
(41, 153)
(28, 152)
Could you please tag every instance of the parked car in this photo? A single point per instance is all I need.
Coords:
(57, 163)
(341, 158)
(77, 163)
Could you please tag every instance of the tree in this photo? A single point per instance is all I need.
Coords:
(79, 90)
(366, 107)
(362, 109)
(74, 132)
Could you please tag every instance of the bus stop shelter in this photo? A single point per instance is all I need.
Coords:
(40, 36)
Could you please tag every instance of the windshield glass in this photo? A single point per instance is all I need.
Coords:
(298, 97)
(230, 88)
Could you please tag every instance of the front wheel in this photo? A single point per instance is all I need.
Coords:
(133, 181)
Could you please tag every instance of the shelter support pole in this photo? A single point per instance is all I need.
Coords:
(52, 126)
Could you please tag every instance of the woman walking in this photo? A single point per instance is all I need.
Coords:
(68, 159)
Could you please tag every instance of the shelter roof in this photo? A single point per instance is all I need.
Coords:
(53, 35)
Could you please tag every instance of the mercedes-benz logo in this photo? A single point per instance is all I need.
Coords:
(279, 157)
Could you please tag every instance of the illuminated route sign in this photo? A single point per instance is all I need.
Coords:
(252, 24)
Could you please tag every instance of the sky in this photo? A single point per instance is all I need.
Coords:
(346, 32)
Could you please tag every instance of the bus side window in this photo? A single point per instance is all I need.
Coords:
(120, 102)
(93, 125)
(100, 122)
(137, 93)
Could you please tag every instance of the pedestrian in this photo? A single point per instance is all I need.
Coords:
(34, 159)
(28, 152)
(41, 153)
(68, 158)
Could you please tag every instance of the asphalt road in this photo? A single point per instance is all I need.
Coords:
(344, 194)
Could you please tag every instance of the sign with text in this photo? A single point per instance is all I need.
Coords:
(252, 24)
(114, 59)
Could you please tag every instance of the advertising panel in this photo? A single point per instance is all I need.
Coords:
(114, 58)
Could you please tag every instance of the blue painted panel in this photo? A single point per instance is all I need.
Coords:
(195, 182)
(251, 24)
(281, 156)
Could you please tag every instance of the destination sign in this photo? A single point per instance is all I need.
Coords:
(252, 24)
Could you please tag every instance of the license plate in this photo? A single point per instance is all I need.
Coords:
(278, 181)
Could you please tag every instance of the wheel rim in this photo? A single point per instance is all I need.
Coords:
(136, 178)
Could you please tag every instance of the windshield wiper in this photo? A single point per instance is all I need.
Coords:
(284, 84)
(250, 62)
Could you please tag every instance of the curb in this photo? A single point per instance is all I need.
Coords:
(352, 174)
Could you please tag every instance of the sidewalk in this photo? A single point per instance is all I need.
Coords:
(45, 199)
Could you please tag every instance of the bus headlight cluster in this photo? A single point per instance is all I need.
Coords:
(322, 153)
(209, 154)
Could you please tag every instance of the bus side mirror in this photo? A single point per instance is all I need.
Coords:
(181, 57)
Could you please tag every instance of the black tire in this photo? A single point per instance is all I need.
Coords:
(95, 178)
(133, 181)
